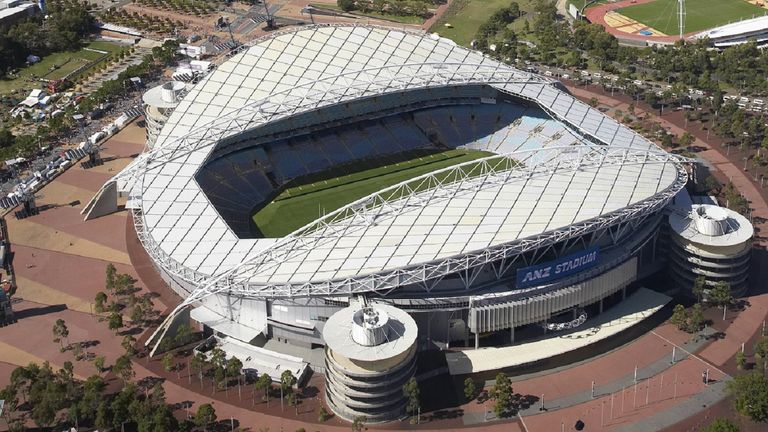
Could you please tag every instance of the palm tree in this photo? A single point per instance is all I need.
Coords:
(264, 383)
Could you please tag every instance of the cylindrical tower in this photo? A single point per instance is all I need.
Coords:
(159, 103)
(713, 242)
(370, 352)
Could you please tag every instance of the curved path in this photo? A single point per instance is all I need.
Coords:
(747, 326)
(61, 259)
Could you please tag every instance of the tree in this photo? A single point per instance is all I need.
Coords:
(10, 396)
(750, 393)
(103, 419)
(219, 362)
(322, 415)
(741, 360)
(699, 285)
(163, 419)
(111, 275)
(593, 102)
(124, 284)
(6, 138)
(100, 299)
(721, 425)
(205, 416)
(235, 369)
(121, 405)
(502, 394)
(687, 139)
(115, 321)
(157, 397)
(711, 184)
(346, 5)
(168, 362)
(98, 363)
(137, 314)
(264, 383)
(650, 98)
(128, 345)
(720, 295)
(44, 412)
(124, 368)
(667, 141)
(183, 335)
(358, 423)
(293, 400)
(412, 393)
(60, 332)
(696, 318)
(85, 408)
(287, 381)
(469, 389)
(679, 317)
(198, 363)
(761, 352)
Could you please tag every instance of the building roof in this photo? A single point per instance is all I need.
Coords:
(164, 96)
(613, 171)
(741, 28)
(7, 12)
(401, 336)
(707, 224)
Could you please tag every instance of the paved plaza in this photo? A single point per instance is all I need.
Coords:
(60, 262)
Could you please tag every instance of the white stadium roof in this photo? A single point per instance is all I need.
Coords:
(737, 29)
(375, 244)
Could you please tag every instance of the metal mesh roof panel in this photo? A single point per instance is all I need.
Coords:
(299, 71)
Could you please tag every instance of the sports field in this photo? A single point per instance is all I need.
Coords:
(700, 15)
(57, 65)
(466, 16)
(301, 204)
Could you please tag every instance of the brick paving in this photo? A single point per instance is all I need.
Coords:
(70, 271)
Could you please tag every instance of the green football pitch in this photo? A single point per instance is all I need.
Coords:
(301, 204)
(700, 15)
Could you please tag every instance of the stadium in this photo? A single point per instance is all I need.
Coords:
(651, 22)
(379, 192)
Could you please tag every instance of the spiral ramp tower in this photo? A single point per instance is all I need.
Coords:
(710, 241)
(159, 103)
(370, 353)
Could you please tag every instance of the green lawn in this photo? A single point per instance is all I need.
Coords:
(580, 3)
(300, 205)
(405, 19)
(65, 63)
(700, 14)
(466, 20)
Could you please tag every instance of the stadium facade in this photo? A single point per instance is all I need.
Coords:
(560, 220)
(749, 30)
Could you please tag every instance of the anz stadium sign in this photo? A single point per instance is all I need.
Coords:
(553, 270)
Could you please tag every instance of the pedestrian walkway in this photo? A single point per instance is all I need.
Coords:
(638, 307)
(641, 376)
(691, 406)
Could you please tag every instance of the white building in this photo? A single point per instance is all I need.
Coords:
(737, 33)
(159, 103)
(562, 219)
(709, 241)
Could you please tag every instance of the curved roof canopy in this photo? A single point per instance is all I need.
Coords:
(415, 233)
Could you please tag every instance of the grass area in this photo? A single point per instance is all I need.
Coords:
(65, 63)
(700, 14)
(105, 46)
(301, 204)
(580, 3)
(467, 19)
(404, 19)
